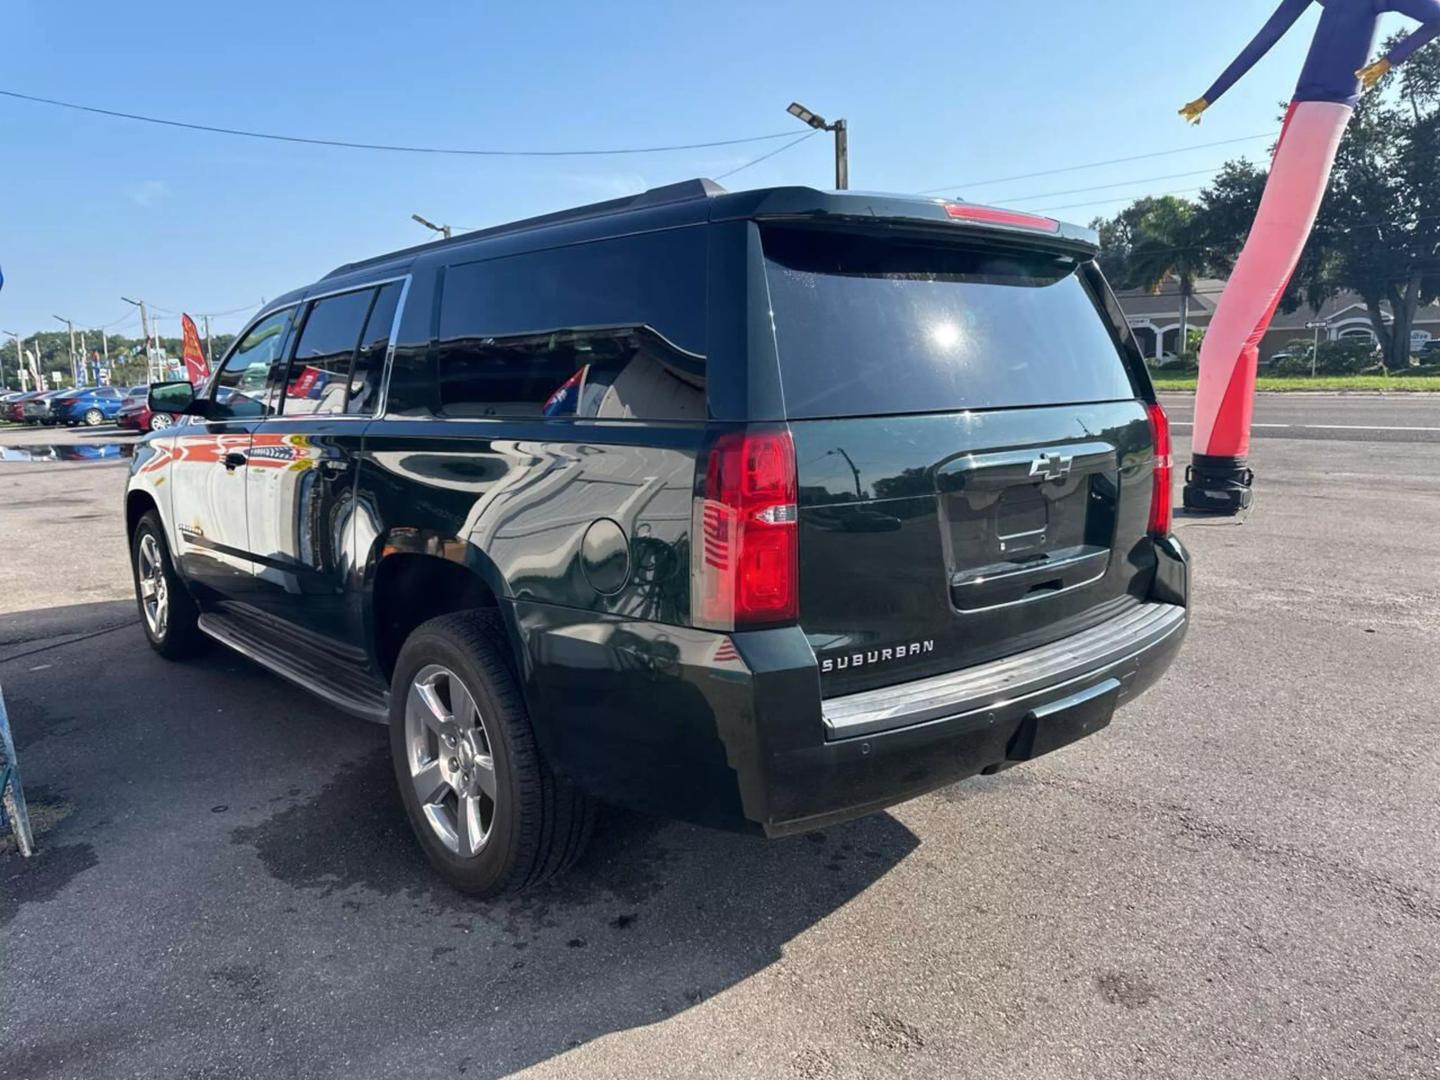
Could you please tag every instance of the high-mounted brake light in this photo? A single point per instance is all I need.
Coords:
(1162, 495)
(745, 555)
(989, 215)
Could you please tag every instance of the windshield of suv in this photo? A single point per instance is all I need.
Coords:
(869, 325)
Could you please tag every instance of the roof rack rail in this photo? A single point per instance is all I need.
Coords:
(683, 191)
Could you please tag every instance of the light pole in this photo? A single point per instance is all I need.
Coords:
(842, 140)
(71, 326)
(145, 333)
(443, 230)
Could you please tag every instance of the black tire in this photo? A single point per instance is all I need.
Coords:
(179, 636)
(540, 823)
(94, 417)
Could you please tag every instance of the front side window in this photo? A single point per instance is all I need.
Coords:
(611, 329)
(319, 375)
(240, 387)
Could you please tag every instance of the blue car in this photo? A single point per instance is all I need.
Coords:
(89, 405)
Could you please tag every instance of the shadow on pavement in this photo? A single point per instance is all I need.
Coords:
(230, 858)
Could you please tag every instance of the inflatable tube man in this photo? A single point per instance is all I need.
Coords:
(1330, 85)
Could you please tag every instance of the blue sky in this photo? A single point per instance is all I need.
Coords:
(936, 95)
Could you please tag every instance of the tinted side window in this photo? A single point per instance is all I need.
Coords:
(240, 385)
(319, 374)
(370, 360)
(613, 328)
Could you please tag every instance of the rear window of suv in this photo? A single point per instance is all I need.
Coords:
(869, 325)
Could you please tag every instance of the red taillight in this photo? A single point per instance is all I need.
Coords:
(989, 215)
(745, 561)
(1162, 494)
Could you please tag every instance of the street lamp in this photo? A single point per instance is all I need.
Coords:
(74, 377)
(842, 140)
(443, 230)
(145, 333)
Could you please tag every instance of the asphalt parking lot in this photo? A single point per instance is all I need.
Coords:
(1240, 877)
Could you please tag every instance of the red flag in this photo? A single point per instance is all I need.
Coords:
(196, 369)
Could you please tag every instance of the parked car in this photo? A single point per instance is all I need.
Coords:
(13, 407)
(8, 398)
(563, 503)
(135, 412)
(88, 405)
(37, 409)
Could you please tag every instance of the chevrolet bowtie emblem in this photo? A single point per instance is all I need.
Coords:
(1051, 466)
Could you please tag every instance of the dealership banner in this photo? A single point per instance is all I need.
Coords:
(196, 369)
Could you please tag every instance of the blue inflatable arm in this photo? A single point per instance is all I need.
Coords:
(1427, 14)
(1284, 18)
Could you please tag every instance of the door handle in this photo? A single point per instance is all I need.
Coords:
(233, 460)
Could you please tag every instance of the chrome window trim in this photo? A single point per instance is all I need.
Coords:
(383, 402)
(385, 367)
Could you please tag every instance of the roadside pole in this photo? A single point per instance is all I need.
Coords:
(209, 351)
(1315, 348)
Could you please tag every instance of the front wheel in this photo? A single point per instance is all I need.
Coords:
(487, 810)
(168, 614)
(94, 417)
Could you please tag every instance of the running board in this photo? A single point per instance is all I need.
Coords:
(367, 700)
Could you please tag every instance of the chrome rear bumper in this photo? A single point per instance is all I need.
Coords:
(1117, 648)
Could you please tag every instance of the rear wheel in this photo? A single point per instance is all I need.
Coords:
(168, 614)
(94, 417)
(488, 812)
(159, 420)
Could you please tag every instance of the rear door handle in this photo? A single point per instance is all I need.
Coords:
(233, 460)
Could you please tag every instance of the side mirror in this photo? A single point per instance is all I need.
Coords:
(171, 397)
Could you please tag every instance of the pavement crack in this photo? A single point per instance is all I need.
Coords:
(1366, 884)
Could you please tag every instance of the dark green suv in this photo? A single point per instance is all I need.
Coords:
(761, 510)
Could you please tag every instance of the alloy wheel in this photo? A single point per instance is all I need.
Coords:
(452, 768)
(94, 417)
(159, 420)
(154, 588)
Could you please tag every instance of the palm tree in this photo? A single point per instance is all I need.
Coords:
(1167, 243)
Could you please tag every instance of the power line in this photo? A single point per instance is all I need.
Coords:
(1122, 198)
(391, 148)
(1108, 187)
(1099, 164)
(766, 157)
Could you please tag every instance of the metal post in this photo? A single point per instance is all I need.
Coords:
(842, 155)
(209, 350)
(12, 795)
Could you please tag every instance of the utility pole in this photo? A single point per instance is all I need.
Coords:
(209, 351)
(105, 352)
(71, 326)
(842, 140)
(443, 230)
(145, 333)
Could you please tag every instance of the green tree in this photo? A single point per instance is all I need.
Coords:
(1169, 243)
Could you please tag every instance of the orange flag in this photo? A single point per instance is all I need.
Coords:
(196, 369)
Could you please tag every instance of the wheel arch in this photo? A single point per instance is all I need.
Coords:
(414, 575)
